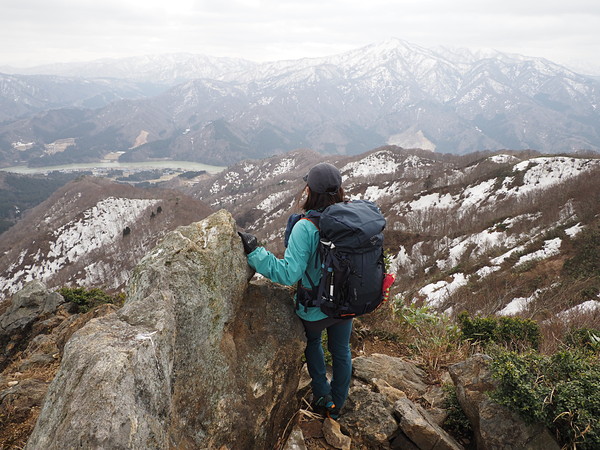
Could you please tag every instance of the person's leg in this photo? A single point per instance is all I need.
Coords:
(315, 359)
(338, 343)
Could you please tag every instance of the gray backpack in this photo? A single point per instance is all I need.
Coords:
(352, 265)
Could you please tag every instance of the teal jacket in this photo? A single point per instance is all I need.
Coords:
(300, 258)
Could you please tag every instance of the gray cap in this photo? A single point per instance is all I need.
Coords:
(324, 178)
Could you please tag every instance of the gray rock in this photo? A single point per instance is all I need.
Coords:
(334, 436)
(196, 358)
(36, 361)
(421, 428)
(296, 440)
(396, 372)
(27, 306)
(495, 426)
(402, 442)
(368, 417)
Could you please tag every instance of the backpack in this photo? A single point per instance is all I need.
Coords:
(353, 280)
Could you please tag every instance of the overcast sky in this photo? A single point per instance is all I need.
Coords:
(36, 32)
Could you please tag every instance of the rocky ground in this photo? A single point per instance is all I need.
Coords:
(34, 328)
(37, 323)
(392, 403)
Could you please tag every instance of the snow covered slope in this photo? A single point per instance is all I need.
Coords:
(90, 233)
(480, 232)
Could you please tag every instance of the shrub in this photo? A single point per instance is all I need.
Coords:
(561, 391)
(456, 422)
(87, 299)
(511, 332)
(584, 339)
(431, 338)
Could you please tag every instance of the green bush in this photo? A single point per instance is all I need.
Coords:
(511, 332)
(561, 391)
(456, 422)
(584, 339)
(87, 299)
(431, 339)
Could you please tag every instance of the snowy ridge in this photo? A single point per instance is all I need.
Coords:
(375, 164)
(100, 226)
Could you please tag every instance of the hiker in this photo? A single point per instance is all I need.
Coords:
(301, 262)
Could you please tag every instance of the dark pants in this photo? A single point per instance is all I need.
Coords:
(338, 344)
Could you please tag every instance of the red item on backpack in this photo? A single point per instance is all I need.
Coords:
(388, 280)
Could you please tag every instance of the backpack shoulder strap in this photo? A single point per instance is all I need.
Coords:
(292, 220)
(314, 217)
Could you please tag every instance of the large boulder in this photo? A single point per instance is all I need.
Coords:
(398, 373)
(196, 358)
(420, 428)
(494, 425)
(28, 306)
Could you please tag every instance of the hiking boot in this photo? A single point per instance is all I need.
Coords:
(324, 405)
(334, 413)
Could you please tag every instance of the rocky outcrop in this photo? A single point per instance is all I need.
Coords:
(494, 426)
(196, 358)
(36, 323)
(28, 306)
(420, 428)
(398, 373)
(379, 414)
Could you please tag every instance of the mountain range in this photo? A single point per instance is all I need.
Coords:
(491, 233)
(220, 111)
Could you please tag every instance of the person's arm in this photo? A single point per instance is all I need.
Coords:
(289, 270)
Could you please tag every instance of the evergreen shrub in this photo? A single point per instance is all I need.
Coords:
(561, 391)
(87, 299)
(511, 332)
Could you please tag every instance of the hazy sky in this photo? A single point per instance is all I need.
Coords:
(42, 31)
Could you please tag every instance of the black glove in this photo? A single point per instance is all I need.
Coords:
(250, 242)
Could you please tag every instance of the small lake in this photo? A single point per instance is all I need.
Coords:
(146, 165)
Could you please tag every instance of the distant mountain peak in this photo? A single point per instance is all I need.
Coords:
(389, 92)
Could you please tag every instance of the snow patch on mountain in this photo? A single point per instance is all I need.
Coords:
(574, 230)
(479, 243)
(503, 159)
(99, 227)
(284, 166)
(538, 174)
(517, 305)
(437, 292)
(551, 248)
(544, 172)
(272, 201)
(378, 163)
(585, 307)
(375, 193)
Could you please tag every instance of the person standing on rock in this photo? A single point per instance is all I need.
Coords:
(301, 262)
